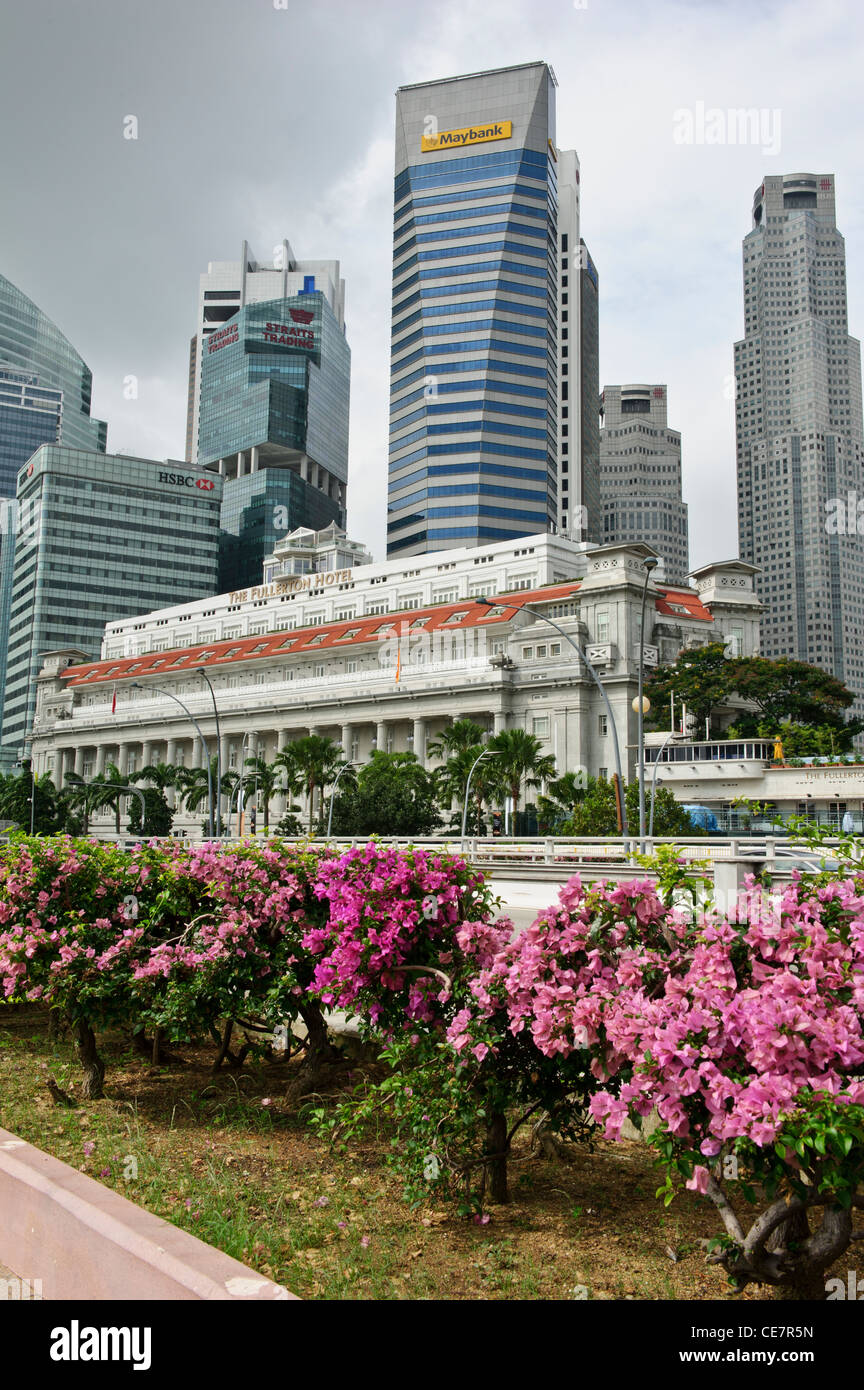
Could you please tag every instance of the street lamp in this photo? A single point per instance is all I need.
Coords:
(523, 608)
(487, 753)
(136, 685)
(201, 672)
(343, 769)
(669, 736)
(651, 562)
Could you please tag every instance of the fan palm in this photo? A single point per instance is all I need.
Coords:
(461, 735)
(519, 761)
(311, 763)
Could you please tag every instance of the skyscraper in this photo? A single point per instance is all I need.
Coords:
(474, 398)
(799, 429)
(640, 476)
(269, 396)
(108, 536)
(45, 391)
(580, 513)
(227, 286)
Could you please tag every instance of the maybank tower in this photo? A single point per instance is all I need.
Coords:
(475, 377)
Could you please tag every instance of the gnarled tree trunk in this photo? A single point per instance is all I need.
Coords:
(88, 1056)
(496, 1163)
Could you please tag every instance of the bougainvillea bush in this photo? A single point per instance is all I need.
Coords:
(750, 1047)
(238, 956)
(412, 948)
(70, 933)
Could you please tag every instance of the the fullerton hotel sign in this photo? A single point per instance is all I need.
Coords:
(310, 583)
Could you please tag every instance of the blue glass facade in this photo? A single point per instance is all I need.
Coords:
(45, 391)
(473, 413)
(276, 377)
(33, 347)
(100, 537)
(258, 510)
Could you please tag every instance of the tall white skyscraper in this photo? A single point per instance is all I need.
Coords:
(640, 476)
(799, 430)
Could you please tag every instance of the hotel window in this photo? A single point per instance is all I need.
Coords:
(351, 667)
(603, 774)
(527, 653)
(601, 619)
(355, 750)
(603, 724)
(320, 670)
(555, 649)
(540, 725)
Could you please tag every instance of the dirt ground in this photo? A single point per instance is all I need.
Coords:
(222, 1157)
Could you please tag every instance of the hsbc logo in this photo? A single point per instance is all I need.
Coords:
(188, 480)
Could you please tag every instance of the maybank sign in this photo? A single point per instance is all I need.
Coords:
(468, 135)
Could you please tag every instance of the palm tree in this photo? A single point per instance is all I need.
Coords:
(520, 759)
(162, 775)
(311, 764)
(81, 797)
(451, 779)
(462, 734)
(111, 793)
(563, 794)
(266, 779)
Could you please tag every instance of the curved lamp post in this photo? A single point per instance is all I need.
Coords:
(487, 753)
(651, 563)
(654, 782)
(125, 791)
(201, 672)
(523, 608)
(136, 685)
(343, 769)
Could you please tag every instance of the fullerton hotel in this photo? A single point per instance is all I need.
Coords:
(386, 655)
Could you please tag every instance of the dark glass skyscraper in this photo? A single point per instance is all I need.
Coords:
(473, 429)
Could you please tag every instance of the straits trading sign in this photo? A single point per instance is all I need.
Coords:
(466, 135)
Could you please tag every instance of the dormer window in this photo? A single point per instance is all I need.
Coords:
(456, 617)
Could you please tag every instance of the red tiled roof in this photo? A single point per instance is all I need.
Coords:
(326, 636)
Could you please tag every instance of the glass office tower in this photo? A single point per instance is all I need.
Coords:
(99, 537)
(473, 378)
(36, 354)
(45, 391)
(274, 398)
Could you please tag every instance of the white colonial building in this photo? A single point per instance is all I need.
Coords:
(386, 655)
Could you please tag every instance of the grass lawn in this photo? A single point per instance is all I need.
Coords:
(220, 1157)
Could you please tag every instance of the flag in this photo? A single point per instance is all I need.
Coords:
(398, 662)
(114, 701)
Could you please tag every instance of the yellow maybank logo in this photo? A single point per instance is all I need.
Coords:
(468, 135)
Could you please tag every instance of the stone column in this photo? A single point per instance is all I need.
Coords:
(381, 736)
(79, 761)
(500, 721)
(419, 744)
(146, 754)
(101, 759)
(346, 741)
(254, 464)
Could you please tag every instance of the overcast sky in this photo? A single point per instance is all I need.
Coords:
(260, 122)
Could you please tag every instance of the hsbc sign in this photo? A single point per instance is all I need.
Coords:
(188, 480)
